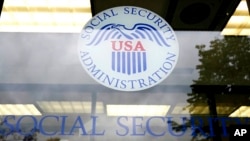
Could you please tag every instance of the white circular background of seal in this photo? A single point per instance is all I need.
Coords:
(128, 48)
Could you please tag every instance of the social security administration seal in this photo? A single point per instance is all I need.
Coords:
(128, 48)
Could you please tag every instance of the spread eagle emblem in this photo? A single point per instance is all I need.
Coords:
(138, 31)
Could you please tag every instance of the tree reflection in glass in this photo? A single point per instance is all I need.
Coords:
(222, 86)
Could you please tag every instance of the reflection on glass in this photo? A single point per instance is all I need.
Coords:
(222, 86)
(200, 112)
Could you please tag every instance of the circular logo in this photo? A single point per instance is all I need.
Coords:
(128, 48)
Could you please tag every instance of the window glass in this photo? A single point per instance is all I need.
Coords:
(207, 92)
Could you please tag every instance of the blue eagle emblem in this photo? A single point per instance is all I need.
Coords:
(138, 31)
(128, 62)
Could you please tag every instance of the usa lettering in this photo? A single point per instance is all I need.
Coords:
(127, 46)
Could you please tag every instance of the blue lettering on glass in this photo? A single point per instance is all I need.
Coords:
(127, 10)
(63, 121)
(170, 128)
(94, 118)
(18, 125)
(9, 126)
(122, 125)
(137, 126)
(123, 84)
(78, 124)
(223, 125)
(211, 128)
(150, 131)
(197, 128)
(126, 126)
(41, 129)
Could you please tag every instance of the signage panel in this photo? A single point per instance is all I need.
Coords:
(128, 48)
